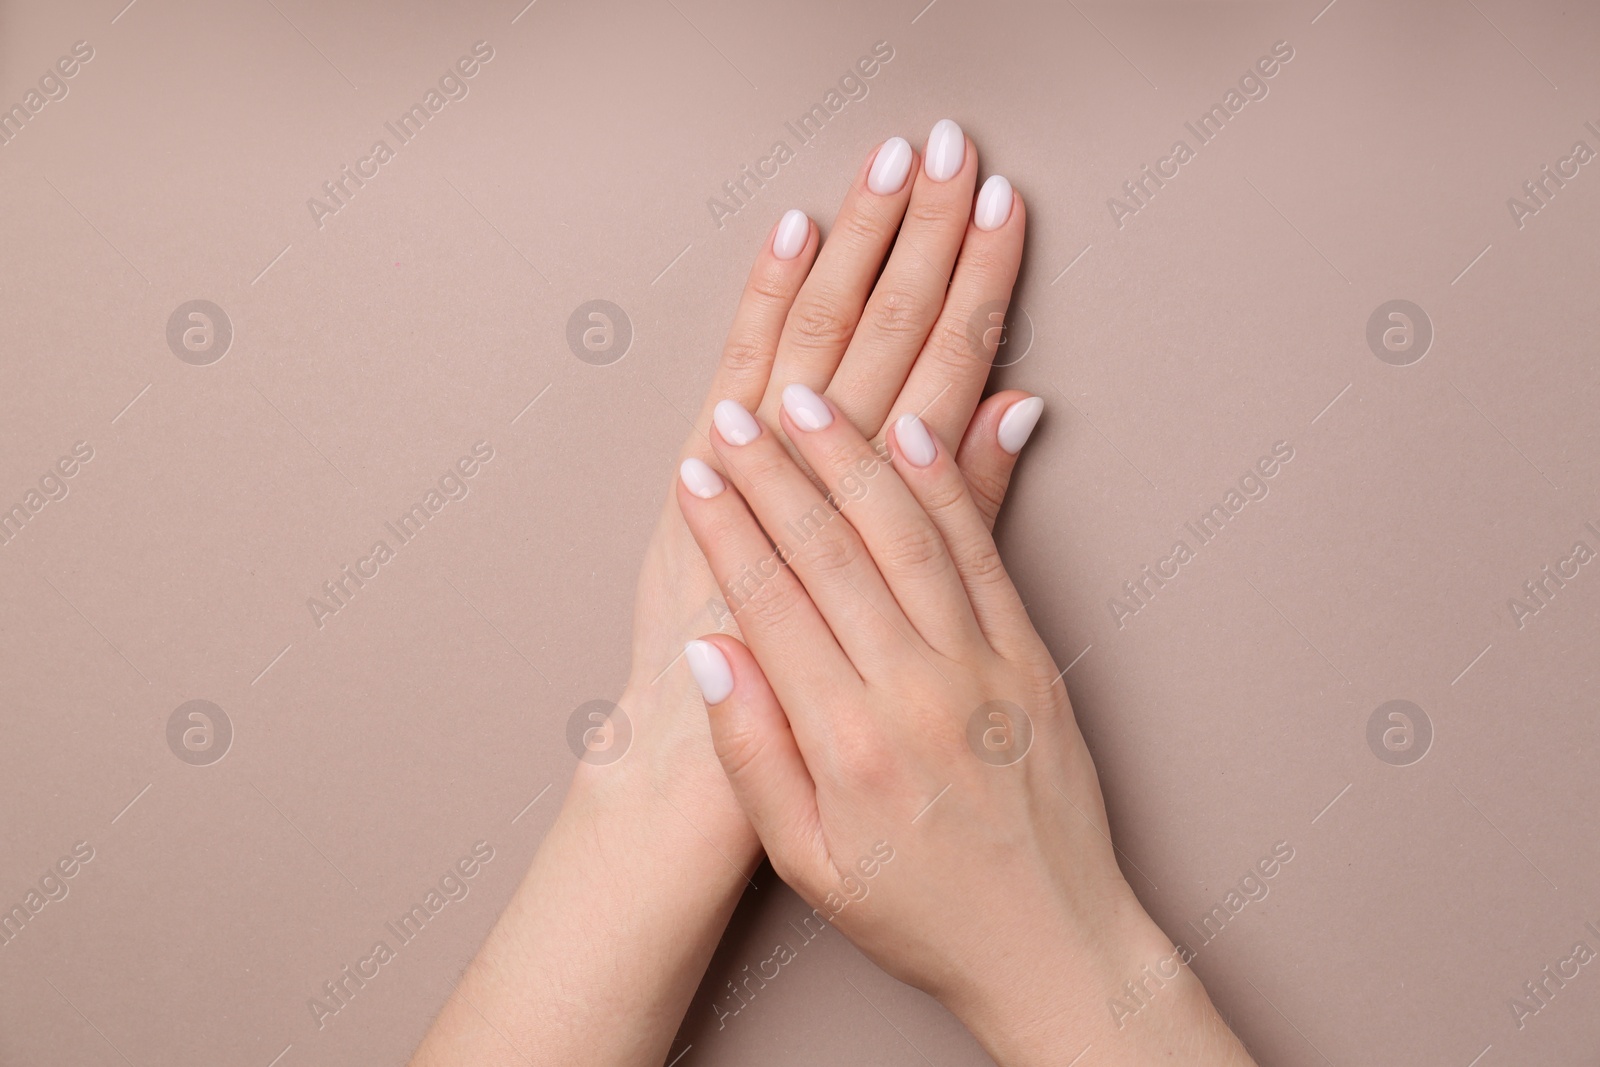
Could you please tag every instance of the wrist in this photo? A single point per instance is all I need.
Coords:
(1030, 1005)
(667, 787)
(1119, 985)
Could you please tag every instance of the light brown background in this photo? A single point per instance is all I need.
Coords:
(369, 354)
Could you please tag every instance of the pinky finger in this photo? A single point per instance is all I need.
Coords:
(942, 488)
(989, 449)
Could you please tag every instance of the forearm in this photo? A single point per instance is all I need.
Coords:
(600, 950)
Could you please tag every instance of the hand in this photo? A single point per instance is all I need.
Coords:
(903, 745)
(878, 346)
(636, 878)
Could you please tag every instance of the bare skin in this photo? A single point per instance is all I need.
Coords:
(898, 735)
(600, 950)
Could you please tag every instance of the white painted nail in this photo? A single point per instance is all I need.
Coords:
(1017, 424)
(737, 426)
(700, 479)
(806, 408)
(889, 169)
(710, 669)
(994, 203)
(916, 443)
(947, 149)
(790, 238)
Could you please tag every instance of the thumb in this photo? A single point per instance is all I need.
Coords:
(752, 738)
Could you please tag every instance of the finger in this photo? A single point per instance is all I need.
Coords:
(826, 554)
(905, 302)
(938, 484)
(948, 377)
(775, 279)
(774, 613)
(988, 452)
(825, 312)
(904, 543)
(761, 756)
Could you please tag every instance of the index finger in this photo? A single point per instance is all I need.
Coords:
(775, 279)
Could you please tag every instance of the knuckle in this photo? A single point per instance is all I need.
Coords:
(988, 490)
(722, 527)
(838, 458)
(743, 354)
(834, 555)
(943, 494)
(863, 755)
(900, 312)
(772, 605)
(982, 257)
(981, 565)
(935, 213)
(738, 746)
(856, 229)
(769, 287)
(1042, 673)
(762, 462)
(952, 346)
(916, 548)
(818, 322)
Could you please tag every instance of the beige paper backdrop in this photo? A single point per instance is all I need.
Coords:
(1444, 469)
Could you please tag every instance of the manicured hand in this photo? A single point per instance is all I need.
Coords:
(880, 318)
(903, 745)
(635, 880)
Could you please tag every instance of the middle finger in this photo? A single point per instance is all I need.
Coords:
(906, 301)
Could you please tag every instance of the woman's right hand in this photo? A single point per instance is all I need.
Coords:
(904, 747)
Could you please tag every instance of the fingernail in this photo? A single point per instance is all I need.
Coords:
(793, 229)
(889, 169)
(700, 479)
(916, 443)
(994, 203)
(710, 669)
(737, 426)
(1017, 424)
(806, 408)
(947, 148)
